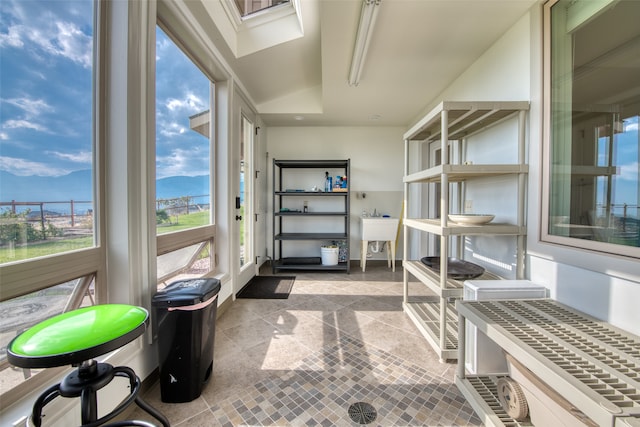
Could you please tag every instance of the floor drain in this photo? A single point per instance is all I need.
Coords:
(362, 413)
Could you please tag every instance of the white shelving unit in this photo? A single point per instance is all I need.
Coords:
(591, 364)
(452, 123)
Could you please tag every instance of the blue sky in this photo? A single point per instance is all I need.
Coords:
(46, 76)
(45, 110)
(181, 91)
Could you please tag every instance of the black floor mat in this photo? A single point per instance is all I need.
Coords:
(267, 287)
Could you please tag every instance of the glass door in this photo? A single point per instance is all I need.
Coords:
(244, 202)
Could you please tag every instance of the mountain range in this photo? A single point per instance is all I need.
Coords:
(77, 186)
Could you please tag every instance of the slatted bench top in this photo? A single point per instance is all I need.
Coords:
(591, 363)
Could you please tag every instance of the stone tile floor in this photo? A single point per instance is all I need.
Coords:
(303, 361)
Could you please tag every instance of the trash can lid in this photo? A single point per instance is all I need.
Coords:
(186, 292)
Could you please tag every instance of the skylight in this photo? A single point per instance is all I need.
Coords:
(248, 7)
(263, 24)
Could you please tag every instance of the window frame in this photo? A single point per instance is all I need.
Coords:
(605, 248)
(31, 275)
(169, 242)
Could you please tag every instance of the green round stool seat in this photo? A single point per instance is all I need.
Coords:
(76, 336)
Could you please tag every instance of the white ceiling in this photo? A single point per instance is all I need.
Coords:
(419, 47)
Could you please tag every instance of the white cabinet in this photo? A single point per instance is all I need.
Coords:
(450, 125)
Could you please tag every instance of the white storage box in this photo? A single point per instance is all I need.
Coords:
(482, 290)
(482, 355)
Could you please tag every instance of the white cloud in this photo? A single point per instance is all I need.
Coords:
(629, 172)
(171, 129)
(81, 157)
(4, 136)
(13, 37)
(23, 167)
(24, 124)
(190, 102)
(33, 107)
(182, 162)
(58, 38)
(73, 44)
(631, 127)
(162, 44)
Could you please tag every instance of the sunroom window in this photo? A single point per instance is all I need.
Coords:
(49, 258)
(184, 196)
(592, 144)
(46, 162)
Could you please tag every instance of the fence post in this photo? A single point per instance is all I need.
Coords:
(44, 233)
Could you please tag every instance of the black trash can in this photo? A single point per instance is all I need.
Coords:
(184, 318)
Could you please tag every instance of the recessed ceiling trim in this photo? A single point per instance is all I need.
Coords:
(232, 13)
(258, 31)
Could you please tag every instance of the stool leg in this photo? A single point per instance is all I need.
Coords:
(134, 384)
(135, 387)
(152, 411)
(129, 423)
(88, 405)
(47, 396)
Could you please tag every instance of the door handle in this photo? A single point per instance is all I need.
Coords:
(238, 217)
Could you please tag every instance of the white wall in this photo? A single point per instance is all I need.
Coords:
(376, 155)
(603, 285)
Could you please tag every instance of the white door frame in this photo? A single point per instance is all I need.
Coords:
(243, 274)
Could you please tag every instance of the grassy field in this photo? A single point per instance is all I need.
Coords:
(184, 222)
(51, 247)
(47, 247)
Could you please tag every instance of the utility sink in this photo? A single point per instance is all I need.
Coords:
(379, 230)
(383, 229)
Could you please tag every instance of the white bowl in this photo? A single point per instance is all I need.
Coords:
(474, 219)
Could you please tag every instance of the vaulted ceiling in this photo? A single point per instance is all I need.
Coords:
(418, 48)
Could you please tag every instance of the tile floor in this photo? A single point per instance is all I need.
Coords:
(303, 361)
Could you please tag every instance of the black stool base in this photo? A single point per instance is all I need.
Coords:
(84, 382)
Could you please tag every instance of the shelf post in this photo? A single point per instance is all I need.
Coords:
(405, 231)
(521, 194)
(444, 209)
(461, 343)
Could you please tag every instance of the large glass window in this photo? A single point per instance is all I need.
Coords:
(592, 146)
(46, 160)
(48, 253)
(183, 158)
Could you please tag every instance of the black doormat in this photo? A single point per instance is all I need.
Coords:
(267, 287)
